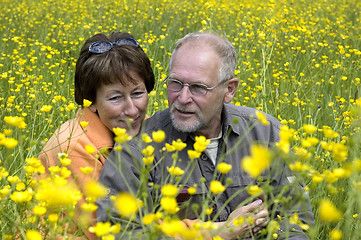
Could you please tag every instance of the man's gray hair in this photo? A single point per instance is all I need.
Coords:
(225, 50)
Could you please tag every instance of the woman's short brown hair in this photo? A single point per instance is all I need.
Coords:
(119, 64)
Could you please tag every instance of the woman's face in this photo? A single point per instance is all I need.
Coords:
(122, 106)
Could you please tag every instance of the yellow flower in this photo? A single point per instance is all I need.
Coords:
(172, 227)
(84, 124)
(89, 149)
(175, 171)
(66, 161)
(192, 190)
(201, 143)
(10, 143)
(5, 191)
(89, 207)
(146, 138)
(21, 197)
(253, 190)
(169, 204)
(309, 128)
(149, 218)
(121, 135)
(328, 132)
(95, 190)
(33, 235)
(13, 179)
(20, 186)
(193, 154)
(262, 118)
(169, 190)
(46, 108)
(158, 136)
(148, 160)
(259, 160)
(101, 228)
(179, 145)
(86, 103)
(126, 204)
(86, 170)
(336, 234)
(15, 121)
(53, 218)
(58, 193)
(340, 152)
(39, 210)
(209, 211)
(216, 187)
(148, 151)
(170, 148)
(224, 167)
(328, 212)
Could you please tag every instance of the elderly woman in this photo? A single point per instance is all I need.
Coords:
(115, 75)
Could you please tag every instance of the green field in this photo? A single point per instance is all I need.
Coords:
(299, 61)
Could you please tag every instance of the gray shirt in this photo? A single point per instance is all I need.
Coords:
(240, 129)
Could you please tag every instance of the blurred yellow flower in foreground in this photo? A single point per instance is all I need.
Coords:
(126, 204)
(336, 234)
(262, 118)
(33, 235)
(169, 190)
(57, 193)
(169, 204)
(95, 190)
(259, 160)
(328, 212)
(15, 121)
(253, 190)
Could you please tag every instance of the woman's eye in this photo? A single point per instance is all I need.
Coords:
(138, 94)
(115, 98)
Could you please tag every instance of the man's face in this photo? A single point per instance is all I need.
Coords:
(190, 113)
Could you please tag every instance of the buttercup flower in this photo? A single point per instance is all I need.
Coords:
(262, 118)
(169, 190)
(126, 204)
(259, 160)
(175, 171)
(158, 136)
(86, 103)
(169, 204)
(224, 167)
(216, 187)
(328, 212)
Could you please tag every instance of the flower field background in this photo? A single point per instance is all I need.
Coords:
(299, 61)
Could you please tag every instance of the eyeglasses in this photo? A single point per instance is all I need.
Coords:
(105, 46)
(197, 89)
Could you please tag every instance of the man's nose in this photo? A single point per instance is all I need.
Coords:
(185, 95)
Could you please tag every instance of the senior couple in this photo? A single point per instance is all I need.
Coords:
(114, 73)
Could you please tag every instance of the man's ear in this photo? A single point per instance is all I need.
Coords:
(231, 89)
(93, 108)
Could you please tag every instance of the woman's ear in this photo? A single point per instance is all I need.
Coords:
(93, 108)
(231, 89)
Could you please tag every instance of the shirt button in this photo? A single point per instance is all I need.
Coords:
(204, 157)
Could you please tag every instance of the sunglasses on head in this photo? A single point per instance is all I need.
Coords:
(105, 46)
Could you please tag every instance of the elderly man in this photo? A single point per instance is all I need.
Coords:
(201, 85)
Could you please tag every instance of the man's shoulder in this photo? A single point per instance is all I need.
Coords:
(159, 120)
(247, 113)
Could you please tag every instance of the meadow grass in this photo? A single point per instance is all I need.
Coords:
(299, 61)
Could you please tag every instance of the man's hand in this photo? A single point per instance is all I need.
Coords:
(244, 221)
